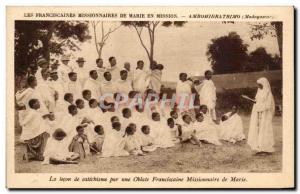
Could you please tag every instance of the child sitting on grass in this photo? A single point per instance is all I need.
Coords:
(56, 152)
(231, 126)
(175, 130)
(132, 142)
(114, 142)
(80, 143)
(98, 139)
(188, 132)
(147, 142)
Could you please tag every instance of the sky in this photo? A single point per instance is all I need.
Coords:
(179, 49)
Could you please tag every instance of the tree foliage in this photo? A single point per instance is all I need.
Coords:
(56, 36)
(227, 54)
(150, 27)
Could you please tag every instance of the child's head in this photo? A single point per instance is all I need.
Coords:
(133, 126)
(224, 117)
(107, 76)
(126, 112)
(171, 122)
(199, 117)
(174, 114)
(94, 74)
(203, 109)
(34, 104)
(114, 119)
(183, 77)
(93, 103)
(155, 116)
(69, 97)
(72, 76)
(53, 75)
(80, 130)
(79, 103)
(129, 130)
(187, 119)
(99, 129)
(208, 74)
(87, 94)
(160, 67)
(59, 134)
(140, 64)
(145, 129)
(116, 126)
(123, 74)
(72, 109)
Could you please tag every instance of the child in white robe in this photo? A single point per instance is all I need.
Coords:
(62, 106)
(132, 142)
(183, 92)
(124, 85)
(114, 142)
(207, 92)
(140, 78)
(125, 119)
(155, 78)
(188, 131)
(206, 131)
(108, 88)
(87, 96)
(146, 139)
(92, 85)
(98, 139)
(57, 152)
(73, 86)
(161, 133)
(231, 126)
(174, 128)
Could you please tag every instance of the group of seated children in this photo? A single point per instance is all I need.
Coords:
(127, 132)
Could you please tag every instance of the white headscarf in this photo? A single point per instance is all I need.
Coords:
(264, 96)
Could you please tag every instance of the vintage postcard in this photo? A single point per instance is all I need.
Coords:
(150, 97)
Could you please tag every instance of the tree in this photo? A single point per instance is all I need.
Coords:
(260, 60)
(150, 27)
(260, 30)
(104, 35)
(56, 36)
(227, 54)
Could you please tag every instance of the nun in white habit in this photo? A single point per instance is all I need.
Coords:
(260, 137)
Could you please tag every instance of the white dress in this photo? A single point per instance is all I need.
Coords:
(232, 129)
(140, 80)
(33, 125)
(208, 96)
(260, 136)
(114, 144)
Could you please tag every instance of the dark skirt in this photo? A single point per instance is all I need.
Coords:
(36, 146)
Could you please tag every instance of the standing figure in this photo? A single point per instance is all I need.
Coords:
(208, 95)
(260, 136)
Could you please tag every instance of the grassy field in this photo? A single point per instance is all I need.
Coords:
(181, 159)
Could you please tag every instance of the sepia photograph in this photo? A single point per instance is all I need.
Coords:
(147, 96)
